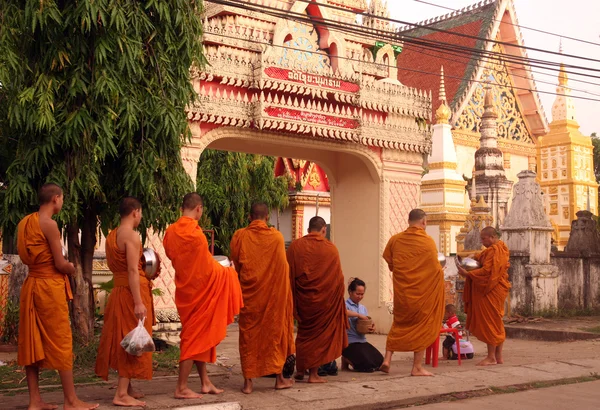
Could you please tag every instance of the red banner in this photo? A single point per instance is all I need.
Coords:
(310, 117)
(300, 77)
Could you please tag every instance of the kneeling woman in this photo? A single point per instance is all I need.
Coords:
(360, 354)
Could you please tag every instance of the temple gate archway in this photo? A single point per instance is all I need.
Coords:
(297, 89)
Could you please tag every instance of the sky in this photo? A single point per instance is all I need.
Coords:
(574, 18)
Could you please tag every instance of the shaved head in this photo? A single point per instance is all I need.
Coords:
(47, 193)
(416, 215)
(490, 231)
(316, 223)
(128, 205)
(191, 201)
(259, 211)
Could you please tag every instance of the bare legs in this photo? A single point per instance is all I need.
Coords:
(281, 383)
(182, 391)
(493, 357)
(417, 369)
(387, 362)
(313, 376)
(123, 396)
(66, 378)
(33, 383)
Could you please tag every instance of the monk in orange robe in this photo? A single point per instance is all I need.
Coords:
(319, 305)
(129, 301)
(484, 295)
(207, 296)
(418, 292)
(45, 339)
(266, 321)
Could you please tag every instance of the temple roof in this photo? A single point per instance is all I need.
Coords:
(489, 20)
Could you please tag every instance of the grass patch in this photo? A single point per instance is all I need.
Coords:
(591, 329)
(166, 361)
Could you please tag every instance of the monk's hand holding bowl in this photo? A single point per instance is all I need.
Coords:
(372, 328)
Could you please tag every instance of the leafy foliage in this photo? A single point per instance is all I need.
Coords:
(92, 97)
(229, 182)
(95, 92)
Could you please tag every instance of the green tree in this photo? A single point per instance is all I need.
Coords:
(96, 92)
(229, 182)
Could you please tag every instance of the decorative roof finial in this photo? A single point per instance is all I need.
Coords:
(443, 113)
(488, 101)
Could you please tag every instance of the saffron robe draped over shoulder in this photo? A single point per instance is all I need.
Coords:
(119, 318)
(207, 294)
(44, 327)
(319, 306)
(266, 321)
(418, 290)
(485, 292)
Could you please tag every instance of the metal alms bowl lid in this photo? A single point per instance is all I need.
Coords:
(442, 259)
(149, 262)
(469, 264)
(223, 260)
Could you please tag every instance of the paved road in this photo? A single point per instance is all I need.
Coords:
(581, 396)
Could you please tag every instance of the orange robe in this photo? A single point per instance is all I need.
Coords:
(266, 321)
(44, 327)
(119, 318)
(319, 306)
(485, 292)
(207, 294)
(418, 291)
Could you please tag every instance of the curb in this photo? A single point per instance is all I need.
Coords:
(529, 333)
(214, 406)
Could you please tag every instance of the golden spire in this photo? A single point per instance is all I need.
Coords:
(443, 113)
(563, 79)
(488, 101)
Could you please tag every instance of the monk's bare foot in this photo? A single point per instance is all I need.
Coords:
(211, 389)
(284, 384)
(419, 371)
(186, 393)
(316, 379)
(499, 360)
(127, 401)
(247, 386)
(135, 393)
(41, 405)
(385, 367)
(299, 376)
(487, 362)
(80, 405)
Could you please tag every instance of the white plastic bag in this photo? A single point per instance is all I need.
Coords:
(138, 341)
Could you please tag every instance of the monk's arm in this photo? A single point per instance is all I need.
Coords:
(132, 247)
(481, 276)
(387, 255)
(52, 234)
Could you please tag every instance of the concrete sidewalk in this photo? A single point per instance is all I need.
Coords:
(582, 396)
(525, 362)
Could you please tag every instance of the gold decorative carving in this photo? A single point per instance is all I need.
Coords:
(314, 179)
(442, 165)
(553, 190)
(554, 209)
(510, 120)
(566, 212)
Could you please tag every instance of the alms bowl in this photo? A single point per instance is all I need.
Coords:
(223, 260)
(442, 259)
(149, 262)
(469, 264)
